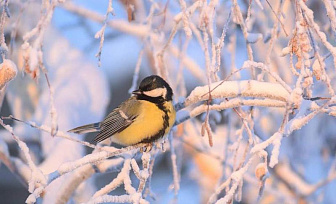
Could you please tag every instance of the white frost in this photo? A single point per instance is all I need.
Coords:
(245, 88)
(276, 150)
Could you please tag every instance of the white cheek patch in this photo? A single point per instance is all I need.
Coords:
(156, 92)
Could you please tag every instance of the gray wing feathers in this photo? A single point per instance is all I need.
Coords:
(115, 122)
(119, 119)
(94, 127)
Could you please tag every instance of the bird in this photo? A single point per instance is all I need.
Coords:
(145, 117)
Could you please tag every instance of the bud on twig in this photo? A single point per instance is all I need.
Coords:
(8, 72)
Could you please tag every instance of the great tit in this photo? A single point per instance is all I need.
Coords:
(143, 118)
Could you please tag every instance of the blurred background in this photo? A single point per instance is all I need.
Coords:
(149, 37)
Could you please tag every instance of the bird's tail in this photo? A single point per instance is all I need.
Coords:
(93, 127)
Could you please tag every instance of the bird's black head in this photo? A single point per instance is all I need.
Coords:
(155, 89)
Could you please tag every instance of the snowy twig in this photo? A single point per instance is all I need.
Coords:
(4, 16)
(310, 16)
(77, 177)
(248, 64)
(235, 178)
(53, 112)
(144, 173)
(116, 182)
(136, 72)
(176, 176)
(294, 124)
(90, 158)
(101, 33)
(37, 178)
(237, 14)
(285, 173)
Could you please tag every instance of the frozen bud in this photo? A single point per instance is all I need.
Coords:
(285, 51)
(261, 171)
(8, 71)
(296, 97)
(307, 82)
(298, 65)
(31, 61)
(332, 110)
(317, 71)
(100, 33)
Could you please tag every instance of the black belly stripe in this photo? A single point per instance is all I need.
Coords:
(161, 133)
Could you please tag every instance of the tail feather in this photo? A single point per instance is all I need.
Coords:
(93, 127)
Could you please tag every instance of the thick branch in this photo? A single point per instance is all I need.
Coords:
(246, 88)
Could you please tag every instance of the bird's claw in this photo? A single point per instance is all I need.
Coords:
(146, 148)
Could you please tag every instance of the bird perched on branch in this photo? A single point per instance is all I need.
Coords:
(143, 118)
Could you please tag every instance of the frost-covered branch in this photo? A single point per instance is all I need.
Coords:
(235, 181)
(310, 16)
(176, 175)
(247, 88)
(264, 94)
(298, 184)
(101, 33)
(37, 178)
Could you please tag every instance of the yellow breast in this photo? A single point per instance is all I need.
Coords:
(148, 123)
(172, 115)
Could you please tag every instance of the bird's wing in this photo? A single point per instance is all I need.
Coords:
(119, 119)
(93, 127)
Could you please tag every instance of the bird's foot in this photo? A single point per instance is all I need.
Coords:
(146, 148)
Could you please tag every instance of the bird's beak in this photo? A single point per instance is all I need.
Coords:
(136, 92)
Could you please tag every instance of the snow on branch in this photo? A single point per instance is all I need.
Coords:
(235, 181)
(133, 195)
(37, 178)
(248, 119)
(294, 181)
(33, 41)
(237, 102)
(245, 88)
(323, 37)
(101, 33)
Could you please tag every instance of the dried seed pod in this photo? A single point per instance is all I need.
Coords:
(8, 71)
(261, 171)
(317, 70)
